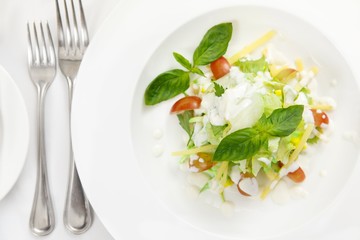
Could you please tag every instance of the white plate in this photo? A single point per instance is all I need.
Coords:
(14, 132)
(112, 131)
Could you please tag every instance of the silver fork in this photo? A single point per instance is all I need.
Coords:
(42, 70)
(72, 43)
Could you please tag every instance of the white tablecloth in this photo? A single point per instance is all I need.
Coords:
(343, 20)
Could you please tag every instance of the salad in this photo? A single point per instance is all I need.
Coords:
(248, 117)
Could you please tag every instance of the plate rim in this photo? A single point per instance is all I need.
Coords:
(330, 40)
(25, 138)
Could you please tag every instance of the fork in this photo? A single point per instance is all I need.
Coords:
(42, 70)
(72, 43)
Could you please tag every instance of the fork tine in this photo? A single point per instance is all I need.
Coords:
(68, 35)
(84, 31)
(50, 49)
(30, 46)
(44, 53)
(75, 30)
(61, 38)
(36, 51)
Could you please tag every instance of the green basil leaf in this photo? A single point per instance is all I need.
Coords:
(253, 66)
(184, 119)
(218, 130)
(239, 145)
(182, 60)
(213, 45)
(198, 71)
(283, 121)
(262, 124)
(167, 85)
(219, 90)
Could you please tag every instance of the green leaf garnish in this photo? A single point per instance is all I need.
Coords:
(213, 45)
(182, 60)
(219, 90)
(239, 145)
(283, 121)
(253, 66)
(167, 85)
(197, 71)
(245, 143)
(184, 121)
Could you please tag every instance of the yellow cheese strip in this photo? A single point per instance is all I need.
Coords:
(315, 70)
(221, 170)
(294, 155)
(248, 49)
(299, 64)
(265, 192)
(322, 107)
(224, 175)
(206, 148)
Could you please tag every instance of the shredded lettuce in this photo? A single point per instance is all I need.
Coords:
(271, 102)
(253, 66)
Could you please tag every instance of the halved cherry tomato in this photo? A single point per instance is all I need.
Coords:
(220, 67)
(286, 75)
(297, 176)
(320, 117)
(203, 163)
(186, 103)
(245, 177)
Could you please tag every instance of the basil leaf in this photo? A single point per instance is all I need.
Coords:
(239, 145)
(167, 85)
(283, 121)
(253, 66)
(219, 90)
(182, 60)
(213, 45)
(184, 119)
(198, 71)
(218, 130)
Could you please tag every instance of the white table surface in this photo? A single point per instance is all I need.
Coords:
(339, 223)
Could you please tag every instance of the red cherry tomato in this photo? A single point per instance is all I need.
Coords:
(203, 163)
(297, 176)
(320, 117)
(220, 67)
(186, 103)
(242, 177)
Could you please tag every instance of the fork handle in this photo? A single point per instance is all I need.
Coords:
(78, 211)
(42, 219)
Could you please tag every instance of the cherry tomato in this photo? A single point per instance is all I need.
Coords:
(244, 176)
(320, 117)
(203, 163)
(186, 103)
(297, 176)
(220, 67)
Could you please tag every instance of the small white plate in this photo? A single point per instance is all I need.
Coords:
(14, 133)
(113, 131)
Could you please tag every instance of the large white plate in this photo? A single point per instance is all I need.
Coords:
(112, 132)
(14, 133)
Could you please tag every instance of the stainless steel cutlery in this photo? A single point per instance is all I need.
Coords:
(42, 70)
(73, 39)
